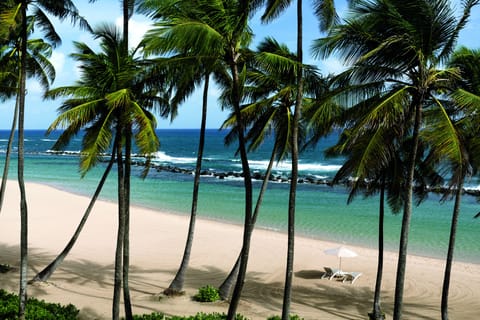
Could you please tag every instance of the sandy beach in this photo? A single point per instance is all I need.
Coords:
(157, 240)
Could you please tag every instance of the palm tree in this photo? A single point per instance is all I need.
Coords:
(60, 9)
(454, 151)
(325, 10)
(465, 148)
(219, 31)
(271, 93)
(400, 45)
(38, 66)
(112, 97)
(374, 164)
(184, 82)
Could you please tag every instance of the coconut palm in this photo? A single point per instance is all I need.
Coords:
(326, 11)
(400, 45)
(219, 31)
(186, 71)
(40, 9)
(463, 150)
(38, 67)
(271, 91)
(110, 100)
(373, 163)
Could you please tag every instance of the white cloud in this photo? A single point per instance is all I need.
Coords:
(137, 30)
(34, 87)
(58, 61)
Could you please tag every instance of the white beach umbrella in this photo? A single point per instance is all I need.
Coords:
(341, 252)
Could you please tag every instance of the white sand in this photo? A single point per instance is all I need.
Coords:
(157, 242)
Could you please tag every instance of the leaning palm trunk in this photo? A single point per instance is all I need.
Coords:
(177, 284)
(451, 248)
(377, 313)
(226, 287)
(21, 183)
(247, 179)
(293, 183)
(45, 274)
(7, 154)
(407, 213)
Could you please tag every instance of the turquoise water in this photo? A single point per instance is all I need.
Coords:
(322, 211)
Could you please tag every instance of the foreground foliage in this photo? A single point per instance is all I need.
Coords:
(207, 294)
(201, 316)
(198, 316)
(36, 309)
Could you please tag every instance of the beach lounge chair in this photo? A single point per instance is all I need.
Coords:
(331, 273)
(351, 276)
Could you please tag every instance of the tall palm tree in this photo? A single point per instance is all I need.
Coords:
(219, 31)
(456, 153)
(325, 10)
(112, 96)
(270, 94)
(38, 66)
(39, 11)
(401, 46)
(374, 164)
(186, 71)
(465, 162)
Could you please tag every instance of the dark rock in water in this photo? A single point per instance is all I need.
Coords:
(220, 175)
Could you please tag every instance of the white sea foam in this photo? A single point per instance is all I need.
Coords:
(162, 157)
(287, 166)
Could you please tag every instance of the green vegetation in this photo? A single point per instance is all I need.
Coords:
(207, 294)
(198, 316)
(292, 317)
(36, 309)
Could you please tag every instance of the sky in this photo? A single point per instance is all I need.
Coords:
(40, 114)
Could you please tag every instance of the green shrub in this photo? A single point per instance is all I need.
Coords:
(198, 316)
(36, 309)
(151, 316)
(207, 294)
(292, 317)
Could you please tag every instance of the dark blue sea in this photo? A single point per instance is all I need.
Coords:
(322, 211)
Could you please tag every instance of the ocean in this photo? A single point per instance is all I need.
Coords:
(322, 211)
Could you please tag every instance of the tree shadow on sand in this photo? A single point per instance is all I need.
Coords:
(311, 293)
(338, 298)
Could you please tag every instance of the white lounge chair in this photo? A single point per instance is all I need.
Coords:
(350, 276)
(331, 273)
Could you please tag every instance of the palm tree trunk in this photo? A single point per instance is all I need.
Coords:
(117, 282)
(177, 284)
(126, 238)
(21, 182)
(226, 287)
(377, 313)
(407, 213)
(294, 178)
(8, 152)
(451, 248)
(124, 198)
(247, 179)
(45, 274)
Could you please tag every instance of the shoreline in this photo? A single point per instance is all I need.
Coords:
(393, 248)
(85, 279)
